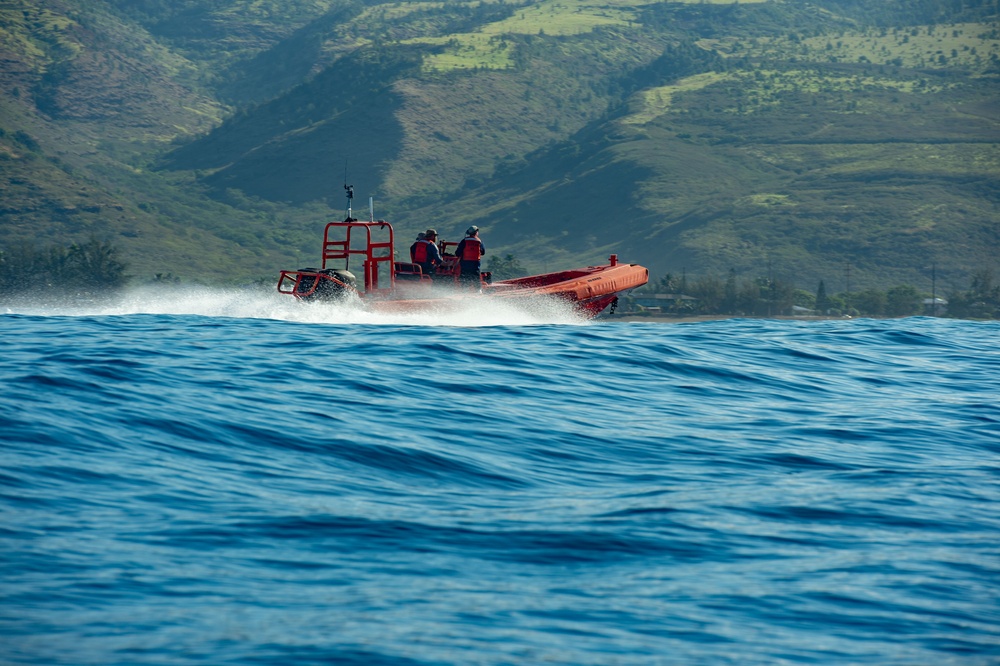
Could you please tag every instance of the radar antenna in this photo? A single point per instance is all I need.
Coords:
(349, 189)
(350, 198)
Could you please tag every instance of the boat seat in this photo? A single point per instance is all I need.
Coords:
(407, 272)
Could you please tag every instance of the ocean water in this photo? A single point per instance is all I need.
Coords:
(219, 477)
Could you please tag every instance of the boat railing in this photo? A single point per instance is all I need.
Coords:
(348, 243)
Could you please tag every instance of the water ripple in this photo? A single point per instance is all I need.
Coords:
(256, 485)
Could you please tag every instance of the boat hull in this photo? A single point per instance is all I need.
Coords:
(589, 290)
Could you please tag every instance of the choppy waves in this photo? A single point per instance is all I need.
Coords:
(233, 483)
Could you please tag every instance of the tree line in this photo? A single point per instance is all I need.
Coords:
(94, 267)
(77, 269)
(764, 296)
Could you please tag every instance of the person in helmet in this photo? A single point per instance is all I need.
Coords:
(470, 252)
(426, 253)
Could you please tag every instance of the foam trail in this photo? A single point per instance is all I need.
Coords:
(258, 304)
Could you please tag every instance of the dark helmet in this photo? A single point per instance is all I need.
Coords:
(421, 236)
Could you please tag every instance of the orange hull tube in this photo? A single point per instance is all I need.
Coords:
(591, 290)
(578, 286)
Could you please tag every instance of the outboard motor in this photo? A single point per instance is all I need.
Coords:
(325, 284)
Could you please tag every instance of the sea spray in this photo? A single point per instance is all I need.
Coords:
(247, 303)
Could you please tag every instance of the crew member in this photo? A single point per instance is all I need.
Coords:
(413, 248)
(426, 253)
(470, 252)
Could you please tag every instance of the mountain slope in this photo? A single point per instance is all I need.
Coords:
(807, 184)
(790, 137)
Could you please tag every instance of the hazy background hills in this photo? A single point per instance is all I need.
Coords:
(209, 139)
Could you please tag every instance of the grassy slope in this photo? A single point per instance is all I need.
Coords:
(895, 168)
(87, 98)
(556, 88)
(811, 166)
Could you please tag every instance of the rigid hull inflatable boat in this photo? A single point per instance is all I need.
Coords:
(355, 246)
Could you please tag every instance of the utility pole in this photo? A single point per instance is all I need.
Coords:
(770, 287)
(847, 294)
(934, 290)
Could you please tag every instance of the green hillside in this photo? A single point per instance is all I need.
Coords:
(809, 181)
(210, 139)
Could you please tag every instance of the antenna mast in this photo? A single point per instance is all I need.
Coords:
(350, 193)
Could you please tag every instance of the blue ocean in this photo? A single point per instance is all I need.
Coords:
(223, 477)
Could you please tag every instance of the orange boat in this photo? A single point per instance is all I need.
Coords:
(390, 285)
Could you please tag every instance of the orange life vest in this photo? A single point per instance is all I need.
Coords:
(420, 252)
(472, 250)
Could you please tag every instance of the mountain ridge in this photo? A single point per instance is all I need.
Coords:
(794, 137)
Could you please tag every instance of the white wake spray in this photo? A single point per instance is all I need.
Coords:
(260, 304)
